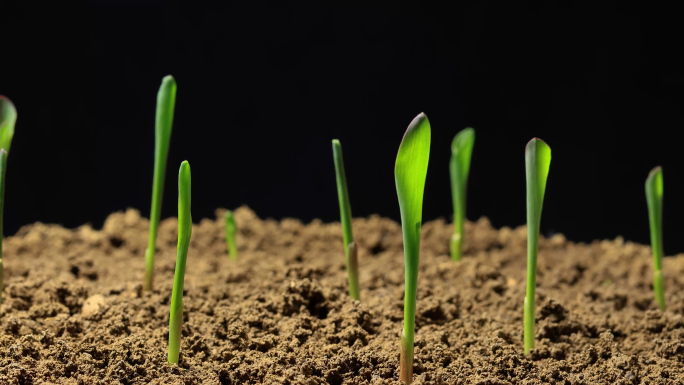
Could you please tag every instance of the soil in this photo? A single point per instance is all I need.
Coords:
(74, 311)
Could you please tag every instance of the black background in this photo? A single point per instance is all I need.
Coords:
(262, 89)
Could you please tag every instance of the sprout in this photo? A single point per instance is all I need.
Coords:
(3, 167)
(184, 232)
(654, 198)
(350, 249)
(230, 235)
(537, 162)
(459, 167)
(8, 118)
(166, 100)
(409, 174)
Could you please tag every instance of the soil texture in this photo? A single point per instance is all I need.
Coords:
(74, 311)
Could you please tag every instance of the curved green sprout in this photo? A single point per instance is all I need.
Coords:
(654, 198)
(166, 101)
(184, 232)
(409, 174)
(537, 162)
(459, 168)
(230, 235)
(346, 220)
(8, 119)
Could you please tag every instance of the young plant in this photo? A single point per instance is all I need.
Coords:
(8, 118)
(166, 101)
(230, 235)
(537, 162)
(654, 198)
(410, 171)
(459, 168)
(3, 166)
(184, 232)
(350, 250)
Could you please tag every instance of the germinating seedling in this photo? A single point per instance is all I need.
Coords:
(654, 198)
(410, 171)
(8, 118)
(537, 162)
(459, 168)
(166, 101)
(350, 249)
(230, 234)
(184, 232)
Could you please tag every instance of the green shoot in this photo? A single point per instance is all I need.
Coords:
(537, 162)
(184, 232)
(230, 235)
(410, 171)
(166, 101)
(3, 167)
(8, 118)
(459, 168)
(654, 198)
(346, 219)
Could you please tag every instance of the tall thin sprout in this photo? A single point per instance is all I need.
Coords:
(654, 198)
(410, 172)
(537, 162)
(8, 119)
(350, 249)
(166, 101)
(459, 168)
(184, 233)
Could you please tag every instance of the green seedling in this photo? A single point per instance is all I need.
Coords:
(3, 164)
(537, 162)
(166, 101)
(654, 198)
(350, 249)
(459, 168)
(8, 118)
(410, 171)
(230, 235)
(184, 232)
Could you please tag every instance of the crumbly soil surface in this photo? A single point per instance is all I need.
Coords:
(74, 311)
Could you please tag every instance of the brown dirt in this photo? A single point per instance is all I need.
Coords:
(74, 312)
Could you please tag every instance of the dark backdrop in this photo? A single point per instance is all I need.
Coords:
(262, 89)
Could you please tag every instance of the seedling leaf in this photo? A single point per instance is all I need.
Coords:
(654, 199)
(346, 220)
(166, 101)
(184, 233)
(230, 235)
(410, 172)
(459, 168)
(8, 119)
(537, 162)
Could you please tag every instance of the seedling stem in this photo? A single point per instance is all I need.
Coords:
(230, 235)
(459, 167)
(346, 220)
(184, 232)
(166, 101)
(409, 174)
(654, 199)
(537, 162)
